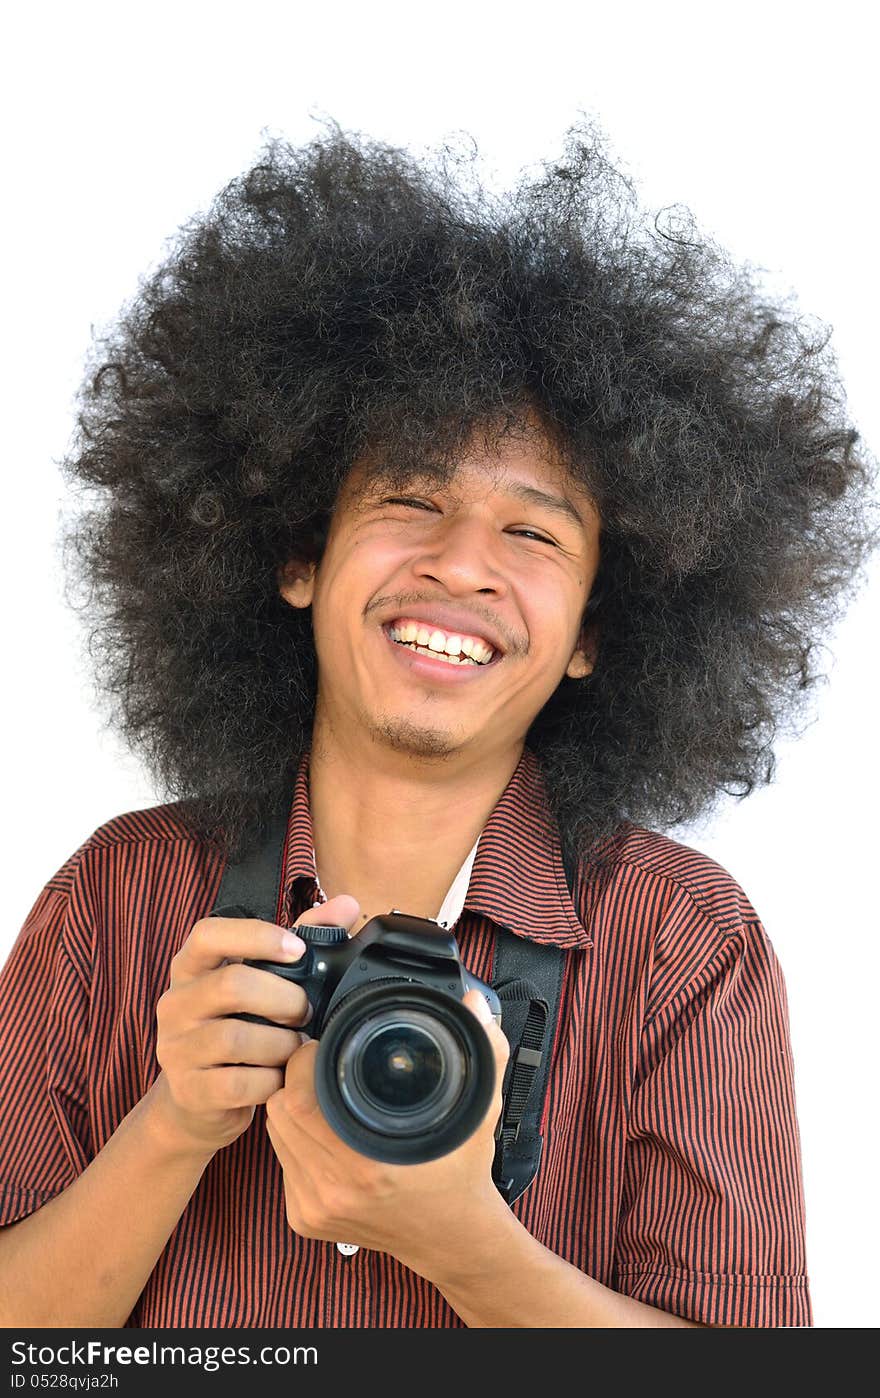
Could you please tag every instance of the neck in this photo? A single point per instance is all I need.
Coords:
(389, 828)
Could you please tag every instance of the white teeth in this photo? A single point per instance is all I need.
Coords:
(480, 651)
(437, 655)
(438, 643)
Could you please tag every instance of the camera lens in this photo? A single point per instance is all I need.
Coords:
(404, 1073)
(400, 1067)
(399, 1074)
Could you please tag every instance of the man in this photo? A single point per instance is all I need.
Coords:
(348, 430)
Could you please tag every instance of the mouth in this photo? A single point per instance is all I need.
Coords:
(437, 664)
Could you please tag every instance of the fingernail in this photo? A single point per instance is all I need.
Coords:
(292, 945)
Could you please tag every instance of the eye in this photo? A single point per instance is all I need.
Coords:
(540, 537)
(421, 505)
(405, 500)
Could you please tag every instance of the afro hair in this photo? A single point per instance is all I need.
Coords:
(343, 296)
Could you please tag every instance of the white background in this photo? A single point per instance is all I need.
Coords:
(121, 121)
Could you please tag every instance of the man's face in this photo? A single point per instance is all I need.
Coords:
(477, 559)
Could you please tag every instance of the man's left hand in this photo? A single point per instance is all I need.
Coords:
(429, 1216)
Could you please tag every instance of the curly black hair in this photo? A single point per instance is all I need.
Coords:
(343, 296)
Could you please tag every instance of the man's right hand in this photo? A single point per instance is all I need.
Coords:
(216, 1069)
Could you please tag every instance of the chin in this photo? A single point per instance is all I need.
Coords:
(402, 735)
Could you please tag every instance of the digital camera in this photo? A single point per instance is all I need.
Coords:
(404, 1071)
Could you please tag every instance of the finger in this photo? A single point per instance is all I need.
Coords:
(299, 1067)
(306, 1161)
(237, 989)
(237, 1085)
(296, 1104)
(342, 910)
(214, 940)
(299, 1084)
(224, 1042)
(478, 1005)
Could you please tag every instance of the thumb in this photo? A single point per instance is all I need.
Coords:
(477, 1004)
(342, 910)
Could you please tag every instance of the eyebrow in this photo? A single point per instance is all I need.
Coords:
(532, 495)
(558, 504)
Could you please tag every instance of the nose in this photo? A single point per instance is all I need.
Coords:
(462, 554)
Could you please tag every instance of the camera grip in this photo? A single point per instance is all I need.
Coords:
(298, 973)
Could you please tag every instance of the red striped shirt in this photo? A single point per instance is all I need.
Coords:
(671, 1168)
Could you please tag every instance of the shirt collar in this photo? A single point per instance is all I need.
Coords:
(518, 878)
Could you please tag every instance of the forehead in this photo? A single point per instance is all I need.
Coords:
(525, 465)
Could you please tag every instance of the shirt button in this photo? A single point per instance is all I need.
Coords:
(347, 1249)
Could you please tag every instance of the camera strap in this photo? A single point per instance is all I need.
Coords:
(526, 976)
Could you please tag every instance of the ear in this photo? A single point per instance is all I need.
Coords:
(296, 582)
(584, 656)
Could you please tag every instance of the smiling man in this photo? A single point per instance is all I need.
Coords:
(443, 623)
(485, 540)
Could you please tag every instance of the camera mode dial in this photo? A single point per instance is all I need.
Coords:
(322, 936)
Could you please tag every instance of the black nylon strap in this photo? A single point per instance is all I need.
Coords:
(526, 976)
(251, 888)
(526, 1060)
(528, 981)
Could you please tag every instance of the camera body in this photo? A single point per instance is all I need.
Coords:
(405, 1072)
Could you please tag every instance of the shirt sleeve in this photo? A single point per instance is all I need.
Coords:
(45, 1137)
(712, 1226)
